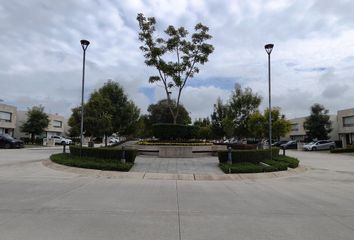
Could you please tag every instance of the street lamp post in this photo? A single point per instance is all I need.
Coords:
(84, 45)
(269, 48)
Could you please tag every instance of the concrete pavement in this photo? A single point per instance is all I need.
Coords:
(37, 202)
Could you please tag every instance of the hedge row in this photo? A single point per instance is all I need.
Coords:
(279, 166)
(342, 150)
(280, 163)
(253, 156)
(105, 153)
(244, 167)
(167, 131)
(91, 163)
(292, 162)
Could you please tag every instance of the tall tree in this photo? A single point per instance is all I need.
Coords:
(159, 52)
(107, 111)
(318, 125)
(204, 128)
(258, 124)
(242, 104)
(37, 121)
(160, 113)
(217, 119)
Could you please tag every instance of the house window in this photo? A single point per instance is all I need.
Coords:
(57, 124)
(348, 121)
(295, 127)
(5, 116)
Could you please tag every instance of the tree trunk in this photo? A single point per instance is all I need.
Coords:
(105, 140)
(32, 138)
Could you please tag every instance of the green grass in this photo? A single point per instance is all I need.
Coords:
(91, 163)
(279, 163)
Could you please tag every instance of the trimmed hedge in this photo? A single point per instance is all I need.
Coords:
(279, 166)
(105, 153)
(280, 163)
(253, 156)
(342, 150)
(168, 131)
(292, 162)
(244, 167)
(90, 163)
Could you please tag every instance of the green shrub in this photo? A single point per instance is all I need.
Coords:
(253, 156)
(91, 163)
(105, 153)
(164, 131)
(244, 167)
(278, 165)
(292, 162)
(342, 150)
(130, 155)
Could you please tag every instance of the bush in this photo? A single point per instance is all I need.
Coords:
(278, 165)
(105, 153)
(253, 156)
(342, 150)
(292, 162)
(130, 155)
(91, 163)
(167, 131)
(244, 167)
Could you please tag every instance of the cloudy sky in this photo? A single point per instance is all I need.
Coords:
(312, 60)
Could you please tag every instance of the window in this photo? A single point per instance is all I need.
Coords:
(5, 116)
(57, 124)
(295, 127)
(348, 121)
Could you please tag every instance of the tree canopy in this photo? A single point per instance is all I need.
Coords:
(160, 113)
(107, 111)
(242, 104)
(258, 124)
(318, 124)
(37, 121)
(187, 52)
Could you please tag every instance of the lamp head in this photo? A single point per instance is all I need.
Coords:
(269, 48)
(84, 44)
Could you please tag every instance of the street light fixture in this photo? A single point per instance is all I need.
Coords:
(84, 45)
(269, 48)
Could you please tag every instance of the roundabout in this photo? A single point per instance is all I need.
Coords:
(38, 202)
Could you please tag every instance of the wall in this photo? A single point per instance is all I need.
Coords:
(8, 126)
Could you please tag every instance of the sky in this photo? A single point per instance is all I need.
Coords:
(312, 60)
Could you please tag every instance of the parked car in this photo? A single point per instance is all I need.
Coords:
(279, 143)
(320, 145)
(6, 141)
(289, 145)
(61, 140)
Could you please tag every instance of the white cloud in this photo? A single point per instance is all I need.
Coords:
(312, 61)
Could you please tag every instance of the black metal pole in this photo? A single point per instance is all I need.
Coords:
(270, 110)
(82, 100)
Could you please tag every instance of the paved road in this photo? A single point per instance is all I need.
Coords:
(40, 203)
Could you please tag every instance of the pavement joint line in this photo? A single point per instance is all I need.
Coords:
(171, 176)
